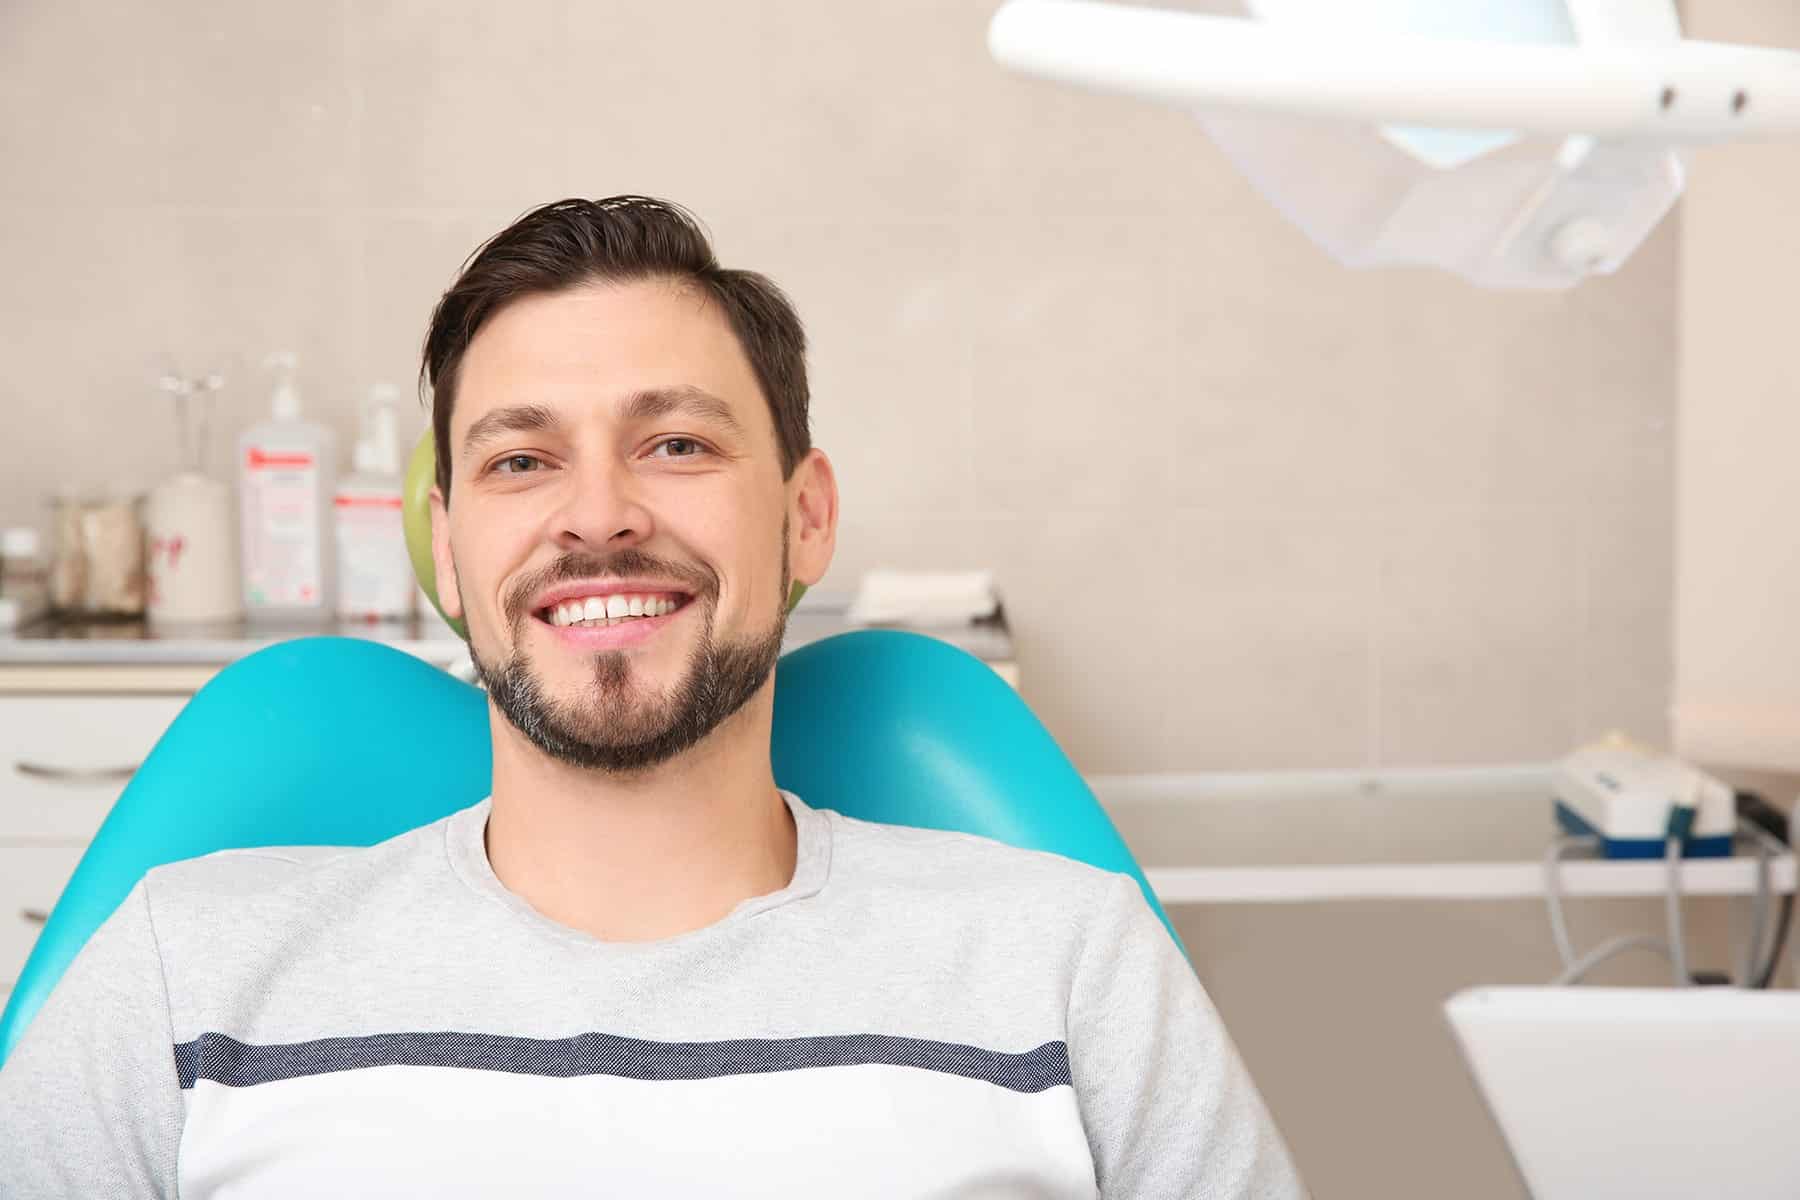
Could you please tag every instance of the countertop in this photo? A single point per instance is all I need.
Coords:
(1398, 833)
(138, 642)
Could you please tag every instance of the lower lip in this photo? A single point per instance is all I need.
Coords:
(612, 637)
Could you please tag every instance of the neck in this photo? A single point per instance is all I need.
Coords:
(646, 857)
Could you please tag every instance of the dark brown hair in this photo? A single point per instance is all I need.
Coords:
(573, 242)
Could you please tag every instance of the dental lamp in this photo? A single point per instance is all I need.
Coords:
(1518, 143)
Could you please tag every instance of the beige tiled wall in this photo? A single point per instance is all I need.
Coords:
(1737, 578)
(1249, 509)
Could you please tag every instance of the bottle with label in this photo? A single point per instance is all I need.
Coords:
(190, 523)
(287, 469)
(24, 579)
(374, 572)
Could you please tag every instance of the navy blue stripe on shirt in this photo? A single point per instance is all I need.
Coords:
(226, 1060)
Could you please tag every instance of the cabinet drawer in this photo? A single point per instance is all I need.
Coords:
(65, 759)
(31, 880)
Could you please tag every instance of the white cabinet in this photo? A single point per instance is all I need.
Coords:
(64, 759)
(31, 880)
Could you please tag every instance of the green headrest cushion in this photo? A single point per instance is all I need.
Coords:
(421, 474)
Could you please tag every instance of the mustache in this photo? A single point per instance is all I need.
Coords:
(701, 581)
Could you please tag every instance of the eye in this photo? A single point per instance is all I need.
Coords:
(514, 458)
(681, 447)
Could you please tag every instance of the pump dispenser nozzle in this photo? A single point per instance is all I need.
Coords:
(378, 449)
(286, 402)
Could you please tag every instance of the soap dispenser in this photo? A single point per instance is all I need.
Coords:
(375, 575)
(287, 474)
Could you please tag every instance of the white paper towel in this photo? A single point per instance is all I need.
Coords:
(892, 597)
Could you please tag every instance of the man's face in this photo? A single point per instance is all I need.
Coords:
(612, 440)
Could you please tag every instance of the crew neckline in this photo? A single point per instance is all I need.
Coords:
(465, 845)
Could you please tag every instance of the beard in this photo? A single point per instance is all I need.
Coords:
(614, 724)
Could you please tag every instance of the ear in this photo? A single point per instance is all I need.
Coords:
(449, 597)
(812, 518)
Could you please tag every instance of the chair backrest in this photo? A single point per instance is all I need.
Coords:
(346, 742)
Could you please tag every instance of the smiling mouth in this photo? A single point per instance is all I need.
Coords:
(600, 612)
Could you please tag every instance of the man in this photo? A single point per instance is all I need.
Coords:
(637, 968)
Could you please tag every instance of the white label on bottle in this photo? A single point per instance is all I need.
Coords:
(375, 576)
(283, 563)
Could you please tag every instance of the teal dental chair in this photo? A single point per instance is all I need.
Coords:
(346, 742)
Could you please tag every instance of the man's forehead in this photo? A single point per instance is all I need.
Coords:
(616, 352)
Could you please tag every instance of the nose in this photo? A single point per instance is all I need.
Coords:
(602, 509)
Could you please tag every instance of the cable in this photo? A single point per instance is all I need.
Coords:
(1610, 949)
(1750, 962)
(1575, 969)
(1771, 827)
(1749, 956)
(1767, 951)
(1677, 951)
(1559, 928)
(1780, 943)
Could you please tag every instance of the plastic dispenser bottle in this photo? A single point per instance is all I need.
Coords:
(189, 525)
(374, 573)
(287, 469)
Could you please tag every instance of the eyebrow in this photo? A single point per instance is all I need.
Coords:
(520, 418)
(651, 403)
(644, 405)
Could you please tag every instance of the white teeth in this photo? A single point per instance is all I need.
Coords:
(610, 609)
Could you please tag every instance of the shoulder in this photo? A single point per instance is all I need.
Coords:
(983, 868)
(250, 875)
(942, 901)
(228, 923)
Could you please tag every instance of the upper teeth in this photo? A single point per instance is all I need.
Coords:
(596, 608)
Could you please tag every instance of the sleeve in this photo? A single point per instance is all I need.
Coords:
(89, 1101)
(1169, 1108)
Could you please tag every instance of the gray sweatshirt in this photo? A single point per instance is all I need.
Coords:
(917, 1014)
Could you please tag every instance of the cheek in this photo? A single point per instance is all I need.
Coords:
(745, 550)
(484, 555)
(759, 569)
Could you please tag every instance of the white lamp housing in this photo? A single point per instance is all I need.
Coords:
(1519, 143)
